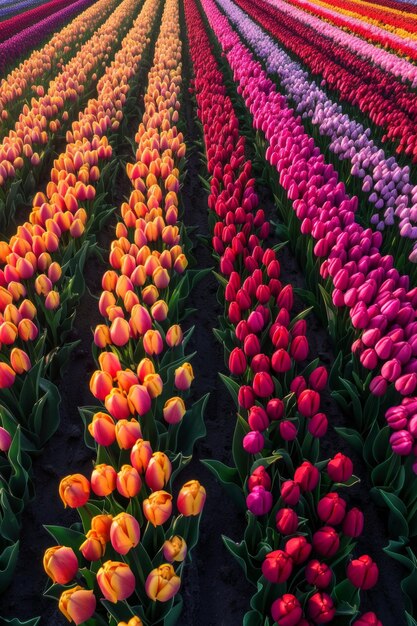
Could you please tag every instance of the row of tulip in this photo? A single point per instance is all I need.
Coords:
(15, 47)
(389, 104)
(26, 148)
(400, 68)
(352, 251)
(367, 31)
(35, 72)
(9, 8)
(382, 184)
(13, 26)
(291, 562)
(329, 245)
(391, 19)
(374, 19)
(131, 546)
(42, 280)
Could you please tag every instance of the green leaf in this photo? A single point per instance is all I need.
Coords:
(8, 561)
(229, 478)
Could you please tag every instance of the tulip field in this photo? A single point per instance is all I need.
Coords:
(208, 312)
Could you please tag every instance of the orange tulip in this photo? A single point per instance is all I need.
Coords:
(74, 490)
(162, 583)
(116, 581)
(20, 361)
(174, 410)
(77, 604)
(102, 429)
(101, 525)
(152, 342)
(174, 549)
(61, 564)
(124, 533)
(94, 546)
(128, 481)
(158, 471)
(191, 498)
(127, 433)
(140, 455)
(158, 507)
(103, 479)
(184, 376)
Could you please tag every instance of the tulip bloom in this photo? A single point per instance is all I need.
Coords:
(77, 604)
(102, 429)
(116, 581)
(74, 490)
(94, 546)
(184, 376)
(158, 507)
(340, 468)
(286, 521)
(318, 574)
(363, 572)
(127, 432)
(128, 481)
(61, 564)
(101, 525)
(103, 479)
(162, 583)
(191, 498)
(174, 549)
(124, 533)
(287, 610)
(158, 471)
(277, 566)
(259, 501)
(320, 608)
(174, 410)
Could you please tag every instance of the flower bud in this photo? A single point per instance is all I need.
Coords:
(367, 619)
(191, 498)
(162, 583)
(259, 477)
(124, 533)
(116, 581)
(331, 508)
(102, 429)
(277, 566)
(77, 604)
(286, 611)
(61, 564)
(93, 547)
(74, 490)
(128, 481)
(101, 524)
(253, 442)
(307, 476)
(174, 410)
(158, 507)
(158, 471)
(174, 549)
(326, 541)
(353, 523)
(127, 433)
(259, 501)
(298, 548)
(5, 440)
(340, 468)
(140, 455)
(363, 572)
(103, 479)
(320, 608)
(290, 492)
(308, 402)
(184, 376)
(318, 574)
(286, 521)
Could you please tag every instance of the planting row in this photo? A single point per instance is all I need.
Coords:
(42, 278)
(300, 533)
(131, 548)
